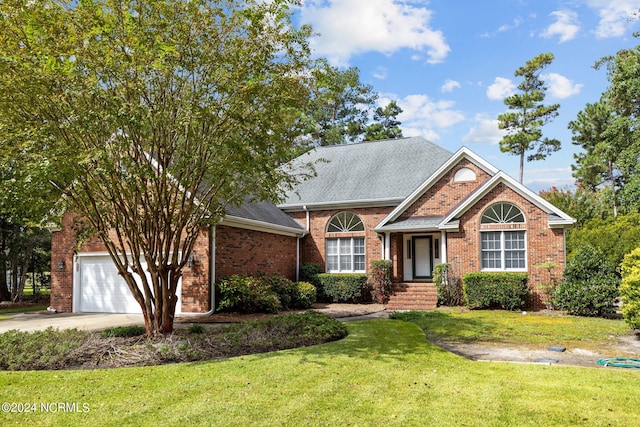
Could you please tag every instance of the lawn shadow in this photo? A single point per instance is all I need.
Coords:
(439, 325)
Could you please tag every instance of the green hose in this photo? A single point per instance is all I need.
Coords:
(620, 362)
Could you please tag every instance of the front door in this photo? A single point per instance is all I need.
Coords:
(422, 257)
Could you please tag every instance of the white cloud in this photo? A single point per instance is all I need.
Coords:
(506, 27)
(544, 178)
(449, 85)
(565, 26)
(423, 116)
(486, 130)
(614, 16)
(500, 89)
(350, 27)
(380, 73)
(559, 86)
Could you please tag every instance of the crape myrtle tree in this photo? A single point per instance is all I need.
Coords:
(156, 115)
(527, 115)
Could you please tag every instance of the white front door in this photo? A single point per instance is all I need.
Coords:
(422, 257)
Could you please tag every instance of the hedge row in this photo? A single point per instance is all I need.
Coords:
(263, 294)
(490, 290)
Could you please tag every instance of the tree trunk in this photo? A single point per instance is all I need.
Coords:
(521, 166)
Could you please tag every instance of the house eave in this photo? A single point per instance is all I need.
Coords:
(346, 204)
(251, 224)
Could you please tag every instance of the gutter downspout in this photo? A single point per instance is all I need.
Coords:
(306, 231)
(212, 277)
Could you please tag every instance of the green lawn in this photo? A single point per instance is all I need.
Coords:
(21, 309)
(383, 373)
(505, 327)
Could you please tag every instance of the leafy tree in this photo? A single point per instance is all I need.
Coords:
(386, 124)
(340, 105)
(581, 203)
(527, 115)
(630, 288)
(156, 115)
(622, 138)
(613, 237)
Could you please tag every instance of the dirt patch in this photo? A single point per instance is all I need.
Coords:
(625, 347)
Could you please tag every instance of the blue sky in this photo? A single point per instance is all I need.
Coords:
(450, 63)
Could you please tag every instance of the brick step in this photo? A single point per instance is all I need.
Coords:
(413, 296)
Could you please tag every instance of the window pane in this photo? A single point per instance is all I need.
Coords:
(345, 246)
(359, 264)
(345, 222)
(332, 247)
(490, 240)
(491, 259)
(332, 263)
(358, 246)
(345, 262)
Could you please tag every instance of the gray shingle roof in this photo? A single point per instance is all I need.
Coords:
(262, 211)
(382, 170)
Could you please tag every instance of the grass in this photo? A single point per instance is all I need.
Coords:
(505, 327)
(21, 309)
(383, 373)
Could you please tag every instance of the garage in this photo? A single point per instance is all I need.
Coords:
(100, 289)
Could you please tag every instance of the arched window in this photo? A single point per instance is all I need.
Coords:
(345, 222)
(345, 254)
(464, 174)
(502, 213)
(503, 249)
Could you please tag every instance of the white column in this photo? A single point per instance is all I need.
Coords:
(443, 246)
(387, 246)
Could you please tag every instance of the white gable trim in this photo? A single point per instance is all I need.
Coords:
(501, 177)
(252, 224)
(462, 153)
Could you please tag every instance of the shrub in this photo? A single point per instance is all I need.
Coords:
(587, 298)
(487, 290)
(308, 271)
(630, 288)
(123, 331)
(305, 295)
(284, 288)
(379, 280)
(448, 286)
(342, 287)
(590, 286)
(247, 294)
(48, 349)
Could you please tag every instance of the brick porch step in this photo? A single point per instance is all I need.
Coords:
(413, 296)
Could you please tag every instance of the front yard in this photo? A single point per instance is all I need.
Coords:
(383, 373)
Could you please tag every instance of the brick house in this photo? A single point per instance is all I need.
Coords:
(408, 201)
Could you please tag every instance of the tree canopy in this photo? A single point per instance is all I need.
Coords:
(339, 107)
(150, 117)
(527, 115)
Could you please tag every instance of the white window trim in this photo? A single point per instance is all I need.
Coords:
(353, 254)
(503, 251)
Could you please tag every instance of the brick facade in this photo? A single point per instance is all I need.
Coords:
(446, 194)
(195, 280)
(240, 251)
(544, 244)
(313, 245)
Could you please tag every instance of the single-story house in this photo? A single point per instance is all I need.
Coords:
(407, 200)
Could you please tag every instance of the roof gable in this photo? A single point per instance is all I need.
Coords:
(463, 153)
(556, 217)
(380, 173)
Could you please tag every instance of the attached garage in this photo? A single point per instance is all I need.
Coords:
(98, 288)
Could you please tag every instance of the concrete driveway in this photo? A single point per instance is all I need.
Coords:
(38, 321)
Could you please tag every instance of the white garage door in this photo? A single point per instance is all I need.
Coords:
(100, 289)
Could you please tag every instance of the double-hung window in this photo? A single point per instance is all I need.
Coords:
(345, 253)
(503, 248)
